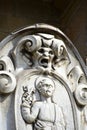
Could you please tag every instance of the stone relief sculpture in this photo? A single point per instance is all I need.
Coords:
(45, 113)
(43, 83)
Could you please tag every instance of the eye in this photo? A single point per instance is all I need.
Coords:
(41, 50)
(50, 86)
(50, 52)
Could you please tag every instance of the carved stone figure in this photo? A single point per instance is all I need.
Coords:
(45, 114)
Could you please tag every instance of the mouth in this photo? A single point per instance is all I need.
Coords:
(48, 94)
(44, 62)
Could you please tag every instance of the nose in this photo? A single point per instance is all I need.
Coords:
(46, 53)
(45, 88)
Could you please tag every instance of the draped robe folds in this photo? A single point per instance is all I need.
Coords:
(44, 116)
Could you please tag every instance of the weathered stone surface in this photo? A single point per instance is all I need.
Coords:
(42, 81)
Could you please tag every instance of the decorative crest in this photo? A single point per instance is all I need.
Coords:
(43, 83)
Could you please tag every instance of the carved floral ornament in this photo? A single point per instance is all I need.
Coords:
(42, 81)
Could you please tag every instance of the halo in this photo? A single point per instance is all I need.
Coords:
(47, 79)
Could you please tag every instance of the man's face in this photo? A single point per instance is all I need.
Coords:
(46, 89)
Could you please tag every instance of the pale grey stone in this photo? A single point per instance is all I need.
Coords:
(42, 81)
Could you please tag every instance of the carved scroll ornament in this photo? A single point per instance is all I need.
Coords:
(42, 81)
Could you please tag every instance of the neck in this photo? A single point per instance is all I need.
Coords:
(46, 99)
